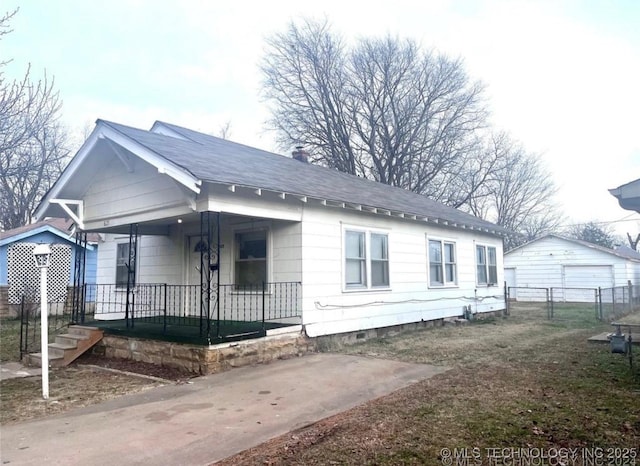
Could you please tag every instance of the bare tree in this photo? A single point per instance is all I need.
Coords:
(383, 109)
(32, 142)
(224, 131)
(518, 194)
(594, 232)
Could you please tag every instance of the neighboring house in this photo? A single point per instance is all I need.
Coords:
(18, 273)
(181, 209)
(628, 195)
(567, 265)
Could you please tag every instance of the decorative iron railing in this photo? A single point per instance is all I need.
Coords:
(161, 309)
(59, 317)
(167, 307)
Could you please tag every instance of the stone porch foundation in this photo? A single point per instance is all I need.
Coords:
(203, 360)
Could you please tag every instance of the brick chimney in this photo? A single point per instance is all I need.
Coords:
(300, 154)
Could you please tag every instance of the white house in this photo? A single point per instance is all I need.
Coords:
(568, 265)
(200, 226)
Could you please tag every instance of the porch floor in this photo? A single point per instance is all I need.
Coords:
(187, 330)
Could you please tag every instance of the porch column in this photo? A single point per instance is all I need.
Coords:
(78, 292)
(209, 264)
(131, 275)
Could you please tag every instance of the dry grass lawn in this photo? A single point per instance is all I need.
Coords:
(69, 388)
(522, 381)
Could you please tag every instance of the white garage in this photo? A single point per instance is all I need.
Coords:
(571, 267)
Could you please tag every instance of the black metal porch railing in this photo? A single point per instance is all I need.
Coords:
(58, 319)
(176, 310)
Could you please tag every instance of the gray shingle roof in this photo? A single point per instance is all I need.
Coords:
(620, 251)
(216, 160)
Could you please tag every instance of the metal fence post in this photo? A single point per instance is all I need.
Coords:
(83, 294)
(164, 308)
(263, 307)
(26, 328)
(548, 304)
(600, 302)
(551, 295)
(506, 299)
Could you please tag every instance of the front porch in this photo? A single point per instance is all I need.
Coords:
(181, 313)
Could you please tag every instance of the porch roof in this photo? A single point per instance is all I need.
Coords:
(57, 226)
(215, 160)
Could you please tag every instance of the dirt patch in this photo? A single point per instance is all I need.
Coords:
(137, 367)
(69, 388)
(79, 385)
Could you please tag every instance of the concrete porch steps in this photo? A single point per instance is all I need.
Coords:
(69, 346)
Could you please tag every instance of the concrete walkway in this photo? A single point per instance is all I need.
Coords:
(13, 370)
(214, 417)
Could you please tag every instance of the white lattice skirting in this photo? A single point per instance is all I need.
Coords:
(24, 276)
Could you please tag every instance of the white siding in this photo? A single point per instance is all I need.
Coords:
(311, 251)
(328, 308)
(115, 193)
(157, 261)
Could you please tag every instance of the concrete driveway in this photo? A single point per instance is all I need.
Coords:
(210, 419)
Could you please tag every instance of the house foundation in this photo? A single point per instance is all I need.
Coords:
(337, 340)
(204, 360)
(279, 343)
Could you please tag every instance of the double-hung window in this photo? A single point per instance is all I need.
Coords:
(442, 263)
(250, 259)
(487, 265)
(366, 259)
(379, 260)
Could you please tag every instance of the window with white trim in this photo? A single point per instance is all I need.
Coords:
(487, 265)
(379, 260)
(442, 263)
(366, 259)
(250, 259)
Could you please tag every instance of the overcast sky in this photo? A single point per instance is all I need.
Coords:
(563, 77)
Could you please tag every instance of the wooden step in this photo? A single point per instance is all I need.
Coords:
(69, 346)
(35, 360)
(82, 330)
(70, 338)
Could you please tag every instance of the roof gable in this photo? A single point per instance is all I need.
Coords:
(576, 242)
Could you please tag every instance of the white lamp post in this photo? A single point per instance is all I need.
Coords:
(42, 255)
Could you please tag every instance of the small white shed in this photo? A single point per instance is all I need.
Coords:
(568, 265)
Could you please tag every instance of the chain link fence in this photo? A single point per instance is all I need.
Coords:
(603, 304)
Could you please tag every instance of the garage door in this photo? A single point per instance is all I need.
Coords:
(588, 276)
